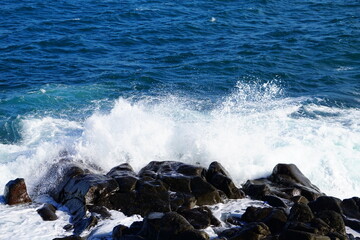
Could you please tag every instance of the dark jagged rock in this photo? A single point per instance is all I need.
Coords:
(274, 218)
(169, 226)
(220, 178)
(255, 214)
(200, 217)
(301, 213)
(322, 227)
(204, 192)
(351, 207)
(165, 194)
(274, 201)
(47, 212)
(288, 174)
(252, 231)
(81, 188)
(183, 178)
(121, 170)
(333, 219)
(84, 224)
(286, 181)
(153, 196)
(325, 203)
(15, 192)
(124, 176)
(257, 189)
(100, 210)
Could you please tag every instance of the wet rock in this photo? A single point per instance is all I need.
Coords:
(85, 224)
(177, 183)
(257, 189)
(334, 220)
(121, 170)
(15, 192)
(183, 178)
(286, 181)
(124, 176)
(274, 218)
(326, 203)
(290, 175)
(99, 210)
(351, 207)
(220, 178)
(252, 231)
(274, 201)
(255, 214)
(322, 227)
(47, 212)
(83, 189)
(200, 217)
(153, 196)
(169, 226)
(204, 192)
(301, 213)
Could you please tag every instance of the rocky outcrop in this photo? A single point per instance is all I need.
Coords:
(16, 193)
(171, 197)
(158, 187)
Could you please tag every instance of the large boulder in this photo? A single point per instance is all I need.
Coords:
(274, 218)
(326, 203)
(16, 193)
(286, 182)
(169, 226)
(220, 178)
(200, 217)
(47, 212)
(351, 207)
(301, 213)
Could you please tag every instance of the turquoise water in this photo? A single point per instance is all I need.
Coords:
(247, 83)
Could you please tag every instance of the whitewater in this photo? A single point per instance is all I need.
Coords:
(249, 132)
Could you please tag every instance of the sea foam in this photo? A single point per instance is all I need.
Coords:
(249, 132)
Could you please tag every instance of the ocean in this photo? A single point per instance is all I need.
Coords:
(246, 83)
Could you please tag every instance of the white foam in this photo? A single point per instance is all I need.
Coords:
(23, 222)
(249, 132)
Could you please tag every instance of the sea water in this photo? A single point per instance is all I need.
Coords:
(246, 83)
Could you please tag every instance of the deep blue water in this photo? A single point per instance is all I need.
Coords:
(69, 59)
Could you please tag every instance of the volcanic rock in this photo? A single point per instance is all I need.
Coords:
(47, 212)
(15, 192)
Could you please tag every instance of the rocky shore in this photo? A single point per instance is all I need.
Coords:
(175, 202)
